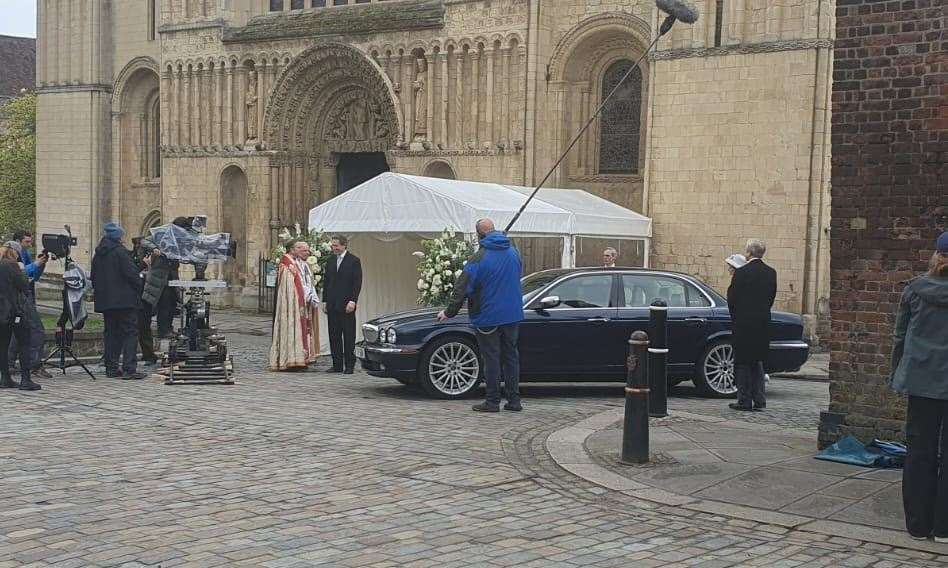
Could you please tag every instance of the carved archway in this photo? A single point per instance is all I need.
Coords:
(332, 99)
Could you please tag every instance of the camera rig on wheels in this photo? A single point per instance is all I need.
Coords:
(197, 353)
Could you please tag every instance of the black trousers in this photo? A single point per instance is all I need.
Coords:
(145, 339)
(750, 384)
(925, 477)
(121, 340)
(36, 338)
(342, 336)
(21, 332)
(498, 346)
(167, 303)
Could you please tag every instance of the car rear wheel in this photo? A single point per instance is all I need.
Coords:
(714, 375)
(450, 368)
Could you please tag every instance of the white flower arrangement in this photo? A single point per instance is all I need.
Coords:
(440, 263)
(319, 244)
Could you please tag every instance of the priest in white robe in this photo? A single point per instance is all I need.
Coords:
(296, 321)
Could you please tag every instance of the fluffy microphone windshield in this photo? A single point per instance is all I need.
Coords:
(682, 11)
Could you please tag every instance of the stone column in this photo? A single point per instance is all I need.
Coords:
(444, 99)
(407, 96)
(560, 93)
(219, 87)
(229, 105)
(303, 202)
(429, 119)
(290, 201)
(505, 100)
(187, 108)
(520, 133)
(164, 96)
(240, 135)
(200, 104)
(327, 176)
(176, 115)
(489, 103)
(275, 221)
(475, 95)
(459, 100)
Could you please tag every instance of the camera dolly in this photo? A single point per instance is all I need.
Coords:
(197, 354)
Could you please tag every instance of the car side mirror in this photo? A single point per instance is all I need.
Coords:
(549, 302)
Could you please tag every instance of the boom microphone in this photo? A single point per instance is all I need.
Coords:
(676, 10)
(682, 11)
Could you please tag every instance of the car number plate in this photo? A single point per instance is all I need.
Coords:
(359, 352)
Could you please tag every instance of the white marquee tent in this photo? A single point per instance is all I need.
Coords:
(386, 218)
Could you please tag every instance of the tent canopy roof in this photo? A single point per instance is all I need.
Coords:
(401, 203)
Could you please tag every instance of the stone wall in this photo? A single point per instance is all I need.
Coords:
(732, 141)
(890, 136)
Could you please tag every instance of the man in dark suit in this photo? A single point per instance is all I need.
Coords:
(749, 299)
(340, 297)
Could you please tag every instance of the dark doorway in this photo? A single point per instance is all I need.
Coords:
(358, 167)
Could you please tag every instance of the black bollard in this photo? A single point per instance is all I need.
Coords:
(658, 359)
(635, 426)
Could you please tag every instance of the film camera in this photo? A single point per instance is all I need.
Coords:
(59, 245)
(197, 353)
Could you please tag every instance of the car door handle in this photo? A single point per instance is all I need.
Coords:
(598, 320)
(696, 320)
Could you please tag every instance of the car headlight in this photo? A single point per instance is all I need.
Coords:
(391, 335)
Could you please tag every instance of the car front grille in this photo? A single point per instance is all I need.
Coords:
(370, 333)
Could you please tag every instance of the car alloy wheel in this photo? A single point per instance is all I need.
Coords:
(718, 370)
(453, 368)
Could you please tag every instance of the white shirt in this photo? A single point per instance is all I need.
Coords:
(339, 259)
(309, 292)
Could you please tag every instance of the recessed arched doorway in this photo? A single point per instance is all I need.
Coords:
(331, 120)
(358, 167)
(440, 169)
(233, 199)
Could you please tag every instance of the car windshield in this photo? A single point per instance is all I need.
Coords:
(534, 282)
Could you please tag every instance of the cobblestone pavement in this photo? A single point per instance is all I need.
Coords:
(315, 470)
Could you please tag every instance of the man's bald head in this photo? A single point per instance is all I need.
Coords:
(484, 226)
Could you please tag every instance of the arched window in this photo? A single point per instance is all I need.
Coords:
(620, 123)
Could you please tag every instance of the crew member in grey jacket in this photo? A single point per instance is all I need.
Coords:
(920, 370)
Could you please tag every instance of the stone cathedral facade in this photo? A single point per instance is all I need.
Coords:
(254, 111)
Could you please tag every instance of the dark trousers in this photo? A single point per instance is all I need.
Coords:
(145, 339)
(925, 477)
(22, 334)
(167, 303)
(121, 340)
(342, 335)
(498, 347)
(750, 384)
(36, 333)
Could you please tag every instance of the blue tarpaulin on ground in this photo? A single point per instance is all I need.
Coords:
(877, 453)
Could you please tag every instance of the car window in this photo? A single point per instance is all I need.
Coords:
(591, 291)
(531, 284)
(640, 290)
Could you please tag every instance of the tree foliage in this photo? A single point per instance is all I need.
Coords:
(18, 165)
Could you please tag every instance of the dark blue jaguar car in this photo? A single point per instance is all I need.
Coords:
(575, 328)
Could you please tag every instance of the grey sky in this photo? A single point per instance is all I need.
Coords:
(18, 18)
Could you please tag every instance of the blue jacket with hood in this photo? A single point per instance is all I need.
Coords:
(491, 284)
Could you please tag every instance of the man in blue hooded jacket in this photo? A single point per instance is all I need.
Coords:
(491, 284)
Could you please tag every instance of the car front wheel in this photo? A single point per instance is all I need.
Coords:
(714, 375)
(449, 368)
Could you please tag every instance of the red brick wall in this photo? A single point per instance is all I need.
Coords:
(890, 194)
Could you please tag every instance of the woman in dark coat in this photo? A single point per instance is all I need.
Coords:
(13, 297)
(920, 370)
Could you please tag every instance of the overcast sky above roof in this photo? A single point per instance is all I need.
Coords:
(18, 18)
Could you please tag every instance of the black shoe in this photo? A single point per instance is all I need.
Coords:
(8, 383)
(486, 407)
(133, 376)
(760, 406)
(514, 406)
(113, 374)
(741, 407)
(333, 370)
(29, 385)
(349, 372)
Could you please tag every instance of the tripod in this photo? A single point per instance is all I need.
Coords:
(64, 339)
